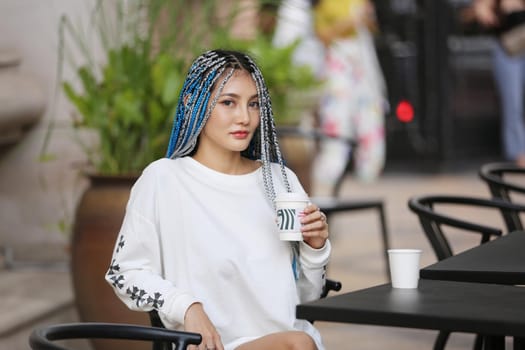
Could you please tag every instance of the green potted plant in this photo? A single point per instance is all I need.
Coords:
(127, 99)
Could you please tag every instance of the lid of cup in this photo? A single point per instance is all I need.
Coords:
(291, 196)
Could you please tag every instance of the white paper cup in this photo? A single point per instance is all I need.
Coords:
(288, 207)
(404, 267)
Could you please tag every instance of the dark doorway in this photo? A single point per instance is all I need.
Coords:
(442, 67)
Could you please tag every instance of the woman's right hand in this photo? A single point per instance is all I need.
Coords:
(197, 321)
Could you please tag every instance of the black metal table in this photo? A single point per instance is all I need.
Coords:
(499, 261)
(492, 310)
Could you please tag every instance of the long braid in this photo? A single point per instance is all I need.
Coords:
(194, 108)
(270, 151)
(191, 112)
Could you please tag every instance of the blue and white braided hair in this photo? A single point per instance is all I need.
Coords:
(207, 75)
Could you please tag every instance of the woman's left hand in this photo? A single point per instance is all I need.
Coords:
(314, 226)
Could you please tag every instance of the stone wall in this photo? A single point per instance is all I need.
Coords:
(37, 198)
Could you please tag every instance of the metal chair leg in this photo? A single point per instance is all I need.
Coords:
(386, 243)
(478, 342)
(493, 342)
(441, 340)
(519, 343)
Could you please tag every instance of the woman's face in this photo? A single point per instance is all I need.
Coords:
(234, 118)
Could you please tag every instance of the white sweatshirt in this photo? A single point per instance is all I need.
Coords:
(192, 234)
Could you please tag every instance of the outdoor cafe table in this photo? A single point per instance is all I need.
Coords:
(492, 310)
(501, 260)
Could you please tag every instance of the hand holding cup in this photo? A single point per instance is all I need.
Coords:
(298, 219)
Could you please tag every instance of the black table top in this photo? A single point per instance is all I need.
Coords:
(499, 261)
(490, 309)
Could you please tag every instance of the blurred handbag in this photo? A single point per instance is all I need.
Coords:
(513, 35)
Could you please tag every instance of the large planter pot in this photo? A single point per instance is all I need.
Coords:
(299, 153)
(97, 224)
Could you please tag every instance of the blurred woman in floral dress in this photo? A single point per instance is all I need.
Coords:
(354, 98)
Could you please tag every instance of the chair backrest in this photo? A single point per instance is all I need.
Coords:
(493, 174)
(432, 221)
(43, 338)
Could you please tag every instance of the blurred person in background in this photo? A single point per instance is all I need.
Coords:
(295, 22)
(507, 19)
(353, 100)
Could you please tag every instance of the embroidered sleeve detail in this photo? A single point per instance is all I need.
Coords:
(116, 281)
(113, 268)
(120, 243)
(141, 297)
(156, 302)
(137, 295)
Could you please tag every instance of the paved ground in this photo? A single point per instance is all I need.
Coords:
(357, 259)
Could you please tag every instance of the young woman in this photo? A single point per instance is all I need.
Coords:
(199, 240)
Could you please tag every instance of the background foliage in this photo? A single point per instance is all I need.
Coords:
(128, 99)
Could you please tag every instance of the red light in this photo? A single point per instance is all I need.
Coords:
(405, 111)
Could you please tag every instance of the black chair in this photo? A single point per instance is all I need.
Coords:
(334, 204)
(432, 222)
(43, 338)
(496, 176)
